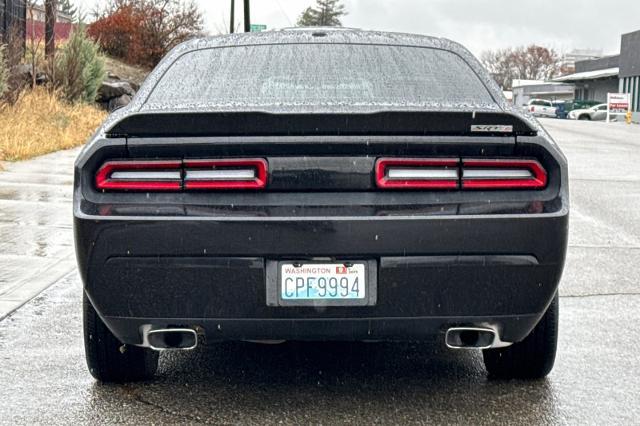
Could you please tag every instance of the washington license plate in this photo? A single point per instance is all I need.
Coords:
(323, 281)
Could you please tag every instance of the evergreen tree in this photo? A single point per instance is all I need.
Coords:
(67, 7)
(326, 13)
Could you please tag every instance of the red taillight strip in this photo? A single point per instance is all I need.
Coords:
(538, 180)
(104, 181)
(259, 181)
(384, 181)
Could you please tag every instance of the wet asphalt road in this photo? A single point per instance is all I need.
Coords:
(36, 240)
(596, 379)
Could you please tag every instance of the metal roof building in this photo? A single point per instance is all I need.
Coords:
(630, 70)
(594, 78)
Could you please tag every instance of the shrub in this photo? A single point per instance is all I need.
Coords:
(141, 32)
(119, 33)
(79, 69)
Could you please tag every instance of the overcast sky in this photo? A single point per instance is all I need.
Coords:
(478, 24)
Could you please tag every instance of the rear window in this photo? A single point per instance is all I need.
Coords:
(319, 74)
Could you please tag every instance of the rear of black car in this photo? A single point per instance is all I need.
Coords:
(330, 191)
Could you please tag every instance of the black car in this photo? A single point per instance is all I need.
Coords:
(320, 184)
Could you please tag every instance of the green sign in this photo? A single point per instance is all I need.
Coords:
(256, 28)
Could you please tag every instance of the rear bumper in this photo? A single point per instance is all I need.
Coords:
(511, 328)
(211, 273)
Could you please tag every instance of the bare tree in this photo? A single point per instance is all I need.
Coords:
(50, 7)
(498, 65)
(169, 22)
(528, 63)
(4, 72)
(34, 42)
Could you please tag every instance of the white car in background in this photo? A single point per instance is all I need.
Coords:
(596, 113)
(541, 108)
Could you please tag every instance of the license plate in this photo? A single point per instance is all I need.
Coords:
(320, 281)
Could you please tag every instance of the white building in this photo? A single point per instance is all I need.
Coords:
(525, 90)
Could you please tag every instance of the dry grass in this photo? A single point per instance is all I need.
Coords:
(40, 123)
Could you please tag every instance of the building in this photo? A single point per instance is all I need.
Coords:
(36, 24)
(594, 78)
(568, 61)
(13, 15)
(630, 70)
(525, 90)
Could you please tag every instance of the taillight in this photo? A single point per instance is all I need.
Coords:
(417, 173)
(448, 173)
(502, 174)
(225, 174)
(140, 176)
(176, 175)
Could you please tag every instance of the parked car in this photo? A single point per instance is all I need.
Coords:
(561, 109)
(581, 104)
(541, 108)
(596, 113)
(320, 184)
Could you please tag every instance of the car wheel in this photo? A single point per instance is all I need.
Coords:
(584, 117)
(532, 358)
(107, 358)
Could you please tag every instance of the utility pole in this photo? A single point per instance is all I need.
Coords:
(49, 29)
(247, 17)
(233, 18)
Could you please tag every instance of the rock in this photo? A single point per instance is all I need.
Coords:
(114, 89)
(119, 102)
(103, 105)
(21, 72)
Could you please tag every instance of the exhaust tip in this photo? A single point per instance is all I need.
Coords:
(172, 339)
(470, 338)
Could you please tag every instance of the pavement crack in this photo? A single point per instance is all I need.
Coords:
(180, 415)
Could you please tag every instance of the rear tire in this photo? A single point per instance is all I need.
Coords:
(108, 359)
(532, 358)
(584, 117)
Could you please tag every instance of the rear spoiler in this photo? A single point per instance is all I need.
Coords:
(176, 124)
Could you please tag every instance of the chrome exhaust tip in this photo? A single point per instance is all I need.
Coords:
(165, 339)
(472, 338)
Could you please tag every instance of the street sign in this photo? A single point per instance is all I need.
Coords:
(256, 28)
(618, 104)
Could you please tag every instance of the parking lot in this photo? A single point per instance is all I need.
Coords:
(43, 378)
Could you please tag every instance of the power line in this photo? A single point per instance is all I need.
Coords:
(284, 13)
